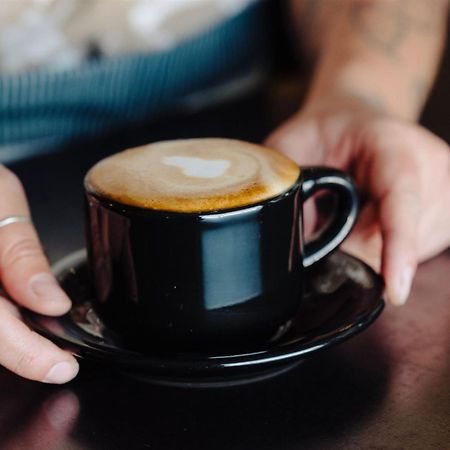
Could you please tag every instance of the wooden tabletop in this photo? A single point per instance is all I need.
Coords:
(387, 388)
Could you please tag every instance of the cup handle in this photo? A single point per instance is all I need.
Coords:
(316, 179)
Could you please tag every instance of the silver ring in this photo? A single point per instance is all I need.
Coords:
(14, 219)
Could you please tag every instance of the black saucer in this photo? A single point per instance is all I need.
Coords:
(343, 297)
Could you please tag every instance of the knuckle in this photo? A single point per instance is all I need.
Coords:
(438, 153)
(20, 251)
(408, 169)
(26, 364)
(7, 307)
(445, 155)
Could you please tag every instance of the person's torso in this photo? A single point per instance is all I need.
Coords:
(74, 68)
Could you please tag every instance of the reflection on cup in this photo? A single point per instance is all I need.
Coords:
(197, 244)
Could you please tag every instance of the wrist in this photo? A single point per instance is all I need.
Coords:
(370, 87)
(375, 54)
(344, 103)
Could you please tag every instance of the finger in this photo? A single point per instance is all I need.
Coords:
(24, 270)
(300, 140)
(399, 219)
(31, 356)
(365, 241)
(6, 305)
(309, 218)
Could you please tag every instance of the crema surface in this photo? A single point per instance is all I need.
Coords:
(193, 175)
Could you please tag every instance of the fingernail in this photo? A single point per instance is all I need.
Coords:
(62, 372)
(44, 286)
(403, 286)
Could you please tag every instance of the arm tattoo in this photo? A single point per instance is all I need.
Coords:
(385, 25)
(381, 26)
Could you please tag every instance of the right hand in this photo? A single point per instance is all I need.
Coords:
(26, 277)
(401, 169)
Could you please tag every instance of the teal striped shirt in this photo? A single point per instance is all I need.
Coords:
(38, 107)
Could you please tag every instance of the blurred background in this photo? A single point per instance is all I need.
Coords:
(73, 70)
(238, 80)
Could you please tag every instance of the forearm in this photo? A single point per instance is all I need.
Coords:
(381, 52)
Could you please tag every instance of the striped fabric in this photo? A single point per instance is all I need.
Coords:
(101, 94)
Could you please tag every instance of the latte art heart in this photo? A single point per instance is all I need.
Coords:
(198, 167)
(193, 175)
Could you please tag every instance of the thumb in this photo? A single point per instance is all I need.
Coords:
(299, 138)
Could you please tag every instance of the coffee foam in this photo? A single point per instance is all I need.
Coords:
(193, 175)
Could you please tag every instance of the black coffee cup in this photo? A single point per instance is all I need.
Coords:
(219, 280)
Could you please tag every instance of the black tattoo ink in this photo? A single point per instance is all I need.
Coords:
(385, 25)
(382, 26)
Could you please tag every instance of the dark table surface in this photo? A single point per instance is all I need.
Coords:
(387, 388)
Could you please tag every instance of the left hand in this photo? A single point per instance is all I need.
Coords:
(402, 171)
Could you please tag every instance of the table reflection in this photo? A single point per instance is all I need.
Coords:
(37, 421)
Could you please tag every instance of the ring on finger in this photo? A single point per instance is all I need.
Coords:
(9, 220)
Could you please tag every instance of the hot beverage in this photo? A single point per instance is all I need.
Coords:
(197, 244)
(193, 175)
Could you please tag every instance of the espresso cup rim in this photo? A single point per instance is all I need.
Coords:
(125, 208)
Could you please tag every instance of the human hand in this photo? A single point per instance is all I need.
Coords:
(26, 277)
(402, 171)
